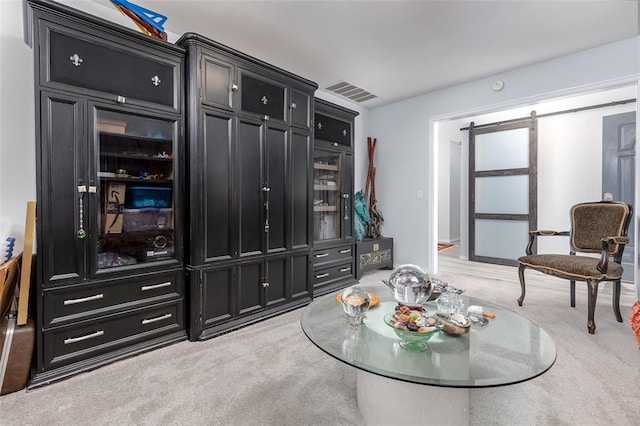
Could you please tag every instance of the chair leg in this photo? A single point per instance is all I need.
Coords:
(572, 291)
(616, 300)
(521, 268)
(592, 296)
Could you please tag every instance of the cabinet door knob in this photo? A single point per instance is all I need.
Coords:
(234, 87)
(335, 144)
(156, 80)
(265, 117)
(266, 189)
(293, 105)
(76, 60)
(265, 284)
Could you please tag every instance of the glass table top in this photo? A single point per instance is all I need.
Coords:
(510, 349)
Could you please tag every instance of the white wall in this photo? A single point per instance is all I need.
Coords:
(406, 140)
(17, 151)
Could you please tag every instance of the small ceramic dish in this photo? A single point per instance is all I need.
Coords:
(453, 324)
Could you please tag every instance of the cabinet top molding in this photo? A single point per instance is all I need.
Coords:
(55, 9)
(191, 38)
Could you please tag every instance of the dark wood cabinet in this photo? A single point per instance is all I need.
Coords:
(333, 260)
(109, 146)
(250, 157)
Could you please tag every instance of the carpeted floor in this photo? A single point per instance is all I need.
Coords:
(270, 374)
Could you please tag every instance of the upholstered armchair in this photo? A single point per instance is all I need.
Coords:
(596, 227)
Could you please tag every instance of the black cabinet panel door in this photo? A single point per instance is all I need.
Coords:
(87, 64)
(263, 97)
(332, 130)
(63, 168)
(300, 202)
(218, 82)
(300, 269)
(250, 288)
(216, 293)
(300, 108)
(276, 179)
(218, 196)
(249, 187)
(347, 199)
(276, 291)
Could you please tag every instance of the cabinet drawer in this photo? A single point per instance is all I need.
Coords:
(73, 304)
(263, 97)
(65, 345)
(335, 254)
(333, 273)
(332, 130)
(82, 61)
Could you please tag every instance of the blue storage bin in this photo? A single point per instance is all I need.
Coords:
(149, 196)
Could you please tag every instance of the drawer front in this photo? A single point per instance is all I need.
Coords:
(263, 97)
(335, 254)
(91, 65)
(326, 275)
(73, 304)
(66, 345)
(332, 130)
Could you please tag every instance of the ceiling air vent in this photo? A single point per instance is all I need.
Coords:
(351, 91)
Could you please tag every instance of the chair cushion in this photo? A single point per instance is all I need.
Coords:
(564, 265)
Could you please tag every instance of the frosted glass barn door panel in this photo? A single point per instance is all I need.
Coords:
(512, 146)
(502, 190)
(503, 239)
(502, 194)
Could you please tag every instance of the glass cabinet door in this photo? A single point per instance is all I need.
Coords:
(326, 195)
(135, 188)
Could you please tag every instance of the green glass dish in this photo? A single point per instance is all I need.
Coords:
(413, 341)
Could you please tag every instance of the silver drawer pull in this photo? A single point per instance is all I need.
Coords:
(81, 338)
(155, 286)
(84, 299)
(322, 255)
(326, 274)
(345, 269)
(345, 251)
(160, 318)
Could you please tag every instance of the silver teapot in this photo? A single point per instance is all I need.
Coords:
(410, 285)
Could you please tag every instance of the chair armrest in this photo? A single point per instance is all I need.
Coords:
(542, 233)
(603, 264)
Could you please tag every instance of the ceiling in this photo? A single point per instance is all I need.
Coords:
(399, 49)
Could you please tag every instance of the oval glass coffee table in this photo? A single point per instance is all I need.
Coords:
(396, 386)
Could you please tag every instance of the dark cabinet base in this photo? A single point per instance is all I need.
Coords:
(372, 254)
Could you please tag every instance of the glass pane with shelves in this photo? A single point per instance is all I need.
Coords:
(136, 185)
(326, 195)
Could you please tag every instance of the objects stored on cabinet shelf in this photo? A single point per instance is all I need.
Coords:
(149, 196)
(146, 219)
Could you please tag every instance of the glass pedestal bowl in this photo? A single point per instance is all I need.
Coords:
(413, 341)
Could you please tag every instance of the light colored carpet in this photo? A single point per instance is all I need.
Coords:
(271, 374)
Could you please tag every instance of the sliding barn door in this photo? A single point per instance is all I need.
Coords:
(502, 190)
